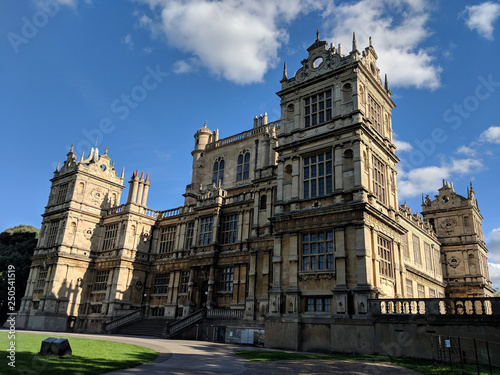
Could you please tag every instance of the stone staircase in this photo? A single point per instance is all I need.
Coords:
(153, 327)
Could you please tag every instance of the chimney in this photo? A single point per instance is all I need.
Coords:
(132, 192)
(146, 190)
(141, 189)
(265, 118)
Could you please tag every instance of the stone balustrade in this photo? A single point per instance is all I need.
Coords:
(436, 306)
(125, 319)
(268, 128)
(175, 327)
(225, 314)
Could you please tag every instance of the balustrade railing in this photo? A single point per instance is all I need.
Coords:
(179, 325)
(436, 306)
(115, 210)
(124, 319)
(225, 314)
(249, 133)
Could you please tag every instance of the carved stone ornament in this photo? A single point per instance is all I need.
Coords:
(87, 233)
(454, 262)
(138, 285)
(97, 195)
(316, 276)
(449, 225)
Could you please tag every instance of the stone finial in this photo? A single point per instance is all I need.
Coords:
(106, 150)
(386, 85)
(354, 44)
(123, 173)
(285, 74)
(370, 41)
(83, 155)
(58, 165)
(72, 148)
(317, 35)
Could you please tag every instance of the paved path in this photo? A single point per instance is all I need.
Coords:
(181, 357)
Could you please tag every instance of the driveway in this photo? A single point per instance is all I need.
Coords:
(181, 357)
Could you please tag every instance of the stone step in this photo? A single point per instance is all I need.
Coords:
(143, 327)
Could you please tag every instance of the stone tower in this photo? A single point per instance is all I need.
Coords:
(457, 223)
(336, 171)
(80, 192)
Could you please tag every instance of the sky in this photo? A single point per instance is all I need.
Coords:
(141, 76)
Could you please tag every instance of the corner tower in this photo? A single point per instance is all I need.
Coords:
(335, 223)
(80, 192)
(457, 223)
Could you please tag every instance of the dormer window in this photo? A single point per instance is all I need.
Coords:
(318, 109)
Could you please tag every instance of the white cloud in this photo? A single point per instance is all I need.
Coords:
(481, 18)
(494, 274)
(128, 41)
(493, 245)
(466, 150)
(427, 179)
(398, 28)
(401, 146)
(235, 39)
(491, 135)
(183, 66)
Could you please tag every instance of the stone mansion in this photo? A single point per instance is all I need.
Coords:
(289, 222)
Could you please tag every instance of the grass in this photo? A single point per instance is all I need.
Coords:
(426, 367)
(89, 356)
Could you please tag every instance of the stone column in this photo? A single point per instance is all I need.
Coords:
(191, 304)
(295, 177)
(338, 175)
(358, 169)
(276, 290)
(255, 223)
(365, 252)
(292, 291)
(340, 291)
(216, 227)
(211, 282)
(240, 226)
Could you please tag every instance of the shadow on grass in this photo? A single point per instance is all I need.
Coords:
(28, 363)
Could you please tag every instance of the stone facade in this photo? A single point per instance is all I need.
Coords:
(291, 221)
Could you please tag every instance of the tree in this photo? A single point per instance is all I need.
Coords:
(497, 292)
(16, 248)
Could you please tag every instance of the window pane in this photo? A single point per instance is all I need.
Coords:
(313, 263)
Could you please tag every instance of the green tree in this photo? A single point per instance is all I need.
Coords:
(16, 248)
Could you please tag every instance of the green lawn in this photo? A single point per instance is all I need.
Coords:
(423, 366)
(89, 356)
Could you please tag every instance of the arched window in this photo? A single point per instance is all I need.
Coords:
(243, 169)
(218, 175)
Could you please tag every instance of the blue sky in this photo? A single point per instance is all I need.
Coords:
(74, 70)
